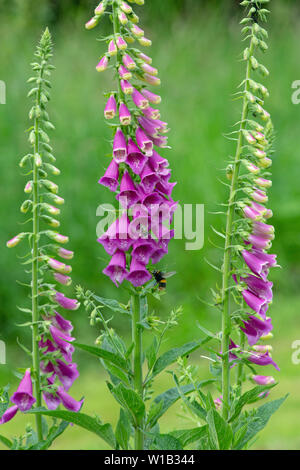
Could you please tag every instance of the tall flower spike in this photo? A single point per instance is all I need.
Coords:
(46, 270)
(248, 236)
(137, 173)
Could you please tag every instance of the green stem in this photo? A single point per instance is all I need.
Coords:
(226, 320)
(35, 269)
(137, 364)
(240, 368)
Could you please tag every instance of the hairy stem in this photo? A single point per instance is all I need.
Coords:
(137, 364)
(35, 269)
(226, 320)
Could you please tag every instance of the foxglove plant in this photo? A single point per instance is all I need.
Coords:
(52, 371)
(246, 293)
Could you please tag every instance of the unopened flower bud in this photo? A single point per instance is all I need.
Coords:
(112, 48)
(100, 9)
(37, 160)
(137, 31)
(15, 240)
(102, 64)
(28, 187)
(25, 206)
(126, 8)
(145, 42)
(121, 44)
(229, 172)
(92, 22)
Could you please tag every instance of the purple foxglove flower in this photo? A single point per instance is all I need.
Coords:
(23, 397)
(124, 115)
(157, 162)
(256, 328)
(58, 266)
(135, 158)
(259, 287)
(257, 304)
(260, 228)
(65, 302)
(151, 113)
(142, 251)
(251, 213)
(62, 279)
(111, 176)
(9, 414)
(102, 64)
(110, 109)
(62, 340)
(262, 210)
(259, 196)
(138, 275)
(232, 356)
(160, 141)
(119, 147)
(151, 79)
(117, 237)
(69, 402)
(145, 58)
(47, 345)
(139, 100)
(262, 360)
(269, 259)
(116, 269)
(165, 188)
(259, 242)
(148, 179)
(149, 69)
(145, 144)
(263, 379)
(112, 48)
(52, 400)
(121, 44)
(66, 254)
(128, 62)
(152, 97)
(67, 373)
(62, 323)
(126, 86)
(124, 73)
(128, 194)
(258, 266)
(157, 255)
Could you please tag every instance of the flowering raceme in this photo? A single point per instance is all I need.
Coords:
(137, 173)
(53, 370)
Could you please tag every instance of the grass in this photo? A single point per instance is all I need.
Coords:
(199, 66)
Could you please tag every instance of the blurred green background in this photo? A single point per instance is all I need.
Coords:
(197, 48)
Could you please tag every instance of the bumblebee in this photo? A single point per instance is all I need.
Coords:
(161, 278)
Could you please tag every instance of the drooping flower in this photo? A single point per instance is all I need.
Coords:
(23, 397)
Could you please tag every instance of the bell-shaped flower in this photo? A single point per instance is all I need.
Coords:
(111, 176)
(119, 147)
(138, 274)
(135, 158)
(142, 250)
(66, 373)
(124, 115)
(254, 328)
(257, 304)
(128, 194)
(144, 142)
(23, 397)
(69, 402)
(110, 109)
(148, 179)
(65, 302)
(116, 269)
(9, 414)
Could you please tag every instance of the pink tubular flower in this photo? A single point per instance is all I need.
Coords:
(119, 147)
(9, 414)
(124, 73)
(139, 100)
(65, 302)
(263, 379)
(111, 176)
(69, 402)
(110, 109)
(62, 279)
(126, 86)
(145, 144)
(128, 194)
(23, 397)
(58, 266)
(124, 115)
(135, 158)
(152, 97)
(255, 328)
(138, 274)
(121, 44)
(116, 269)
(128, 62)
(112, 48)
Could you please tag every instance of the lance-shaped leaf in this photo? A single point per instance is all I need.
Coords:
(172, 355)
(163, 442)
(220, 432)
(108, 356)
(129, 399)
(112, 304)
(248, 397)
(188, 436)
(123, 430)
(104, 431)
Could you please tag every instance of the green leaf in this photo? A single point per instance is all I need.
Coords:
(260, 419)
(173, 354)
(151, 353)
(123, 430)
(164, 442)
(188, 436)
(220, 432)
(6, 441)
(248, 397)
(54, 433)
(104, 354)
(104, 431)
(129, 399)
(111, 304)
